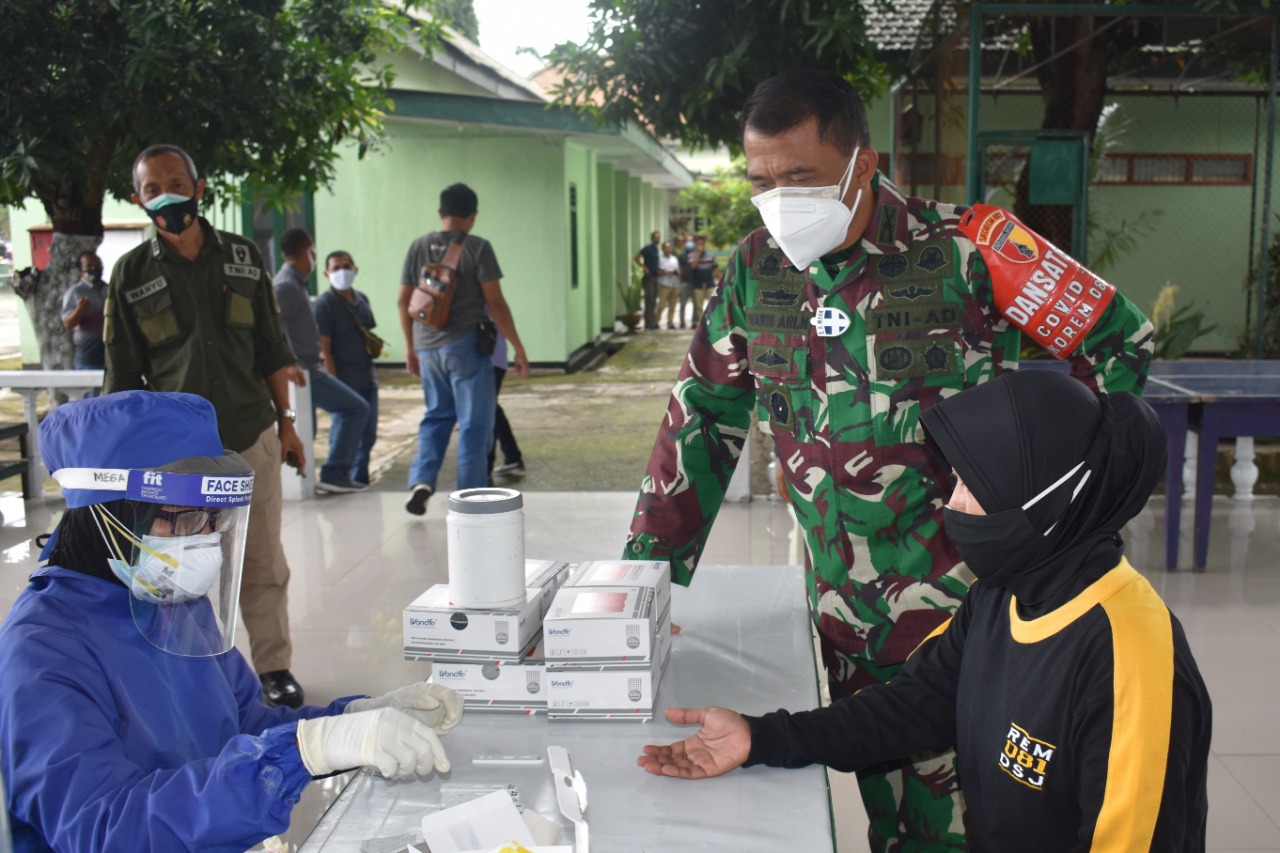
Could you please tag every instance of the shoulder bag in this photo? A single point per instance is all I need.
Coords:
(373, 345)
(432, 297)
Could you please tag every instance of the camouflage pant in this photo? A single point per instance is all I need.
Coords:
(914, 805)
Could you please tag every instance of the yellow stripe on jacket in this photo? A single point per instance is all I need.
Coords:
(1142, 649)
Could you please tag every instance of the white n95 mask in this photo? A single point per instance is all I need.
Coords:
(808, 222)
(172, 568)
(342, 279)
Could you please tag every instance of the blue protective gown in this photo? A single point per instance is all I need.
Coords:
(108, 743)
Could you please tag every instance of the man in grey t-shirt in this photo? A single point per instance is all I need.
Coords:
(457, 379)
(82, 308)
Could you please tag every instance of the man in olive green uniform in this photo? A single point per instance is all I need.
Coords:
(192, 309)
(854, 310)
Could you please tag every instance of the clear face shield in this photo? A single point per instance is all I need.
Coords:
(182, 554)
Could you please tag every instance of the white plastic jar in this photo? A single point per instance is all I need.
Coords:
(486, 548)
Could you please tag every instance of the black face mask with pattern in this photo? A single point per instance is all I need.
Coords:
(177, 216)
(1058, 469)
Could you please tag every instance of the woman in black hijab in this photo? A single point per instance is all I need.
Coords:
(1065, 685)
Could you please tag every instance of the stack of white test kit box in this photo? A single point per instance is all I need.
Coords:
(492, 657)
(606, 640)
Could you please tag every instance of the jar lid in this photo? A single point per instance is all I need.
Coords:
(485, 501)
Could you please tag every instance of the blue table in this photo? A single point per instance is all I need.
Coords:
(1217, 399)
(1227, 399)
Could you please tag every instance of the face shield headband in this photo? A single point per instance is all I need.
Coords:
(162, 487)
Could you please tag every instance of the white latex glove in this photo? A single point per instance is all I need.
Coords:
(396, 744)
(438, 707)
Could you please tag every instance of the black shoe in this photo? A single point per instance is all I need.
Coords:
(510, 469)
(417, 503)
(279, 687)
(340, 486)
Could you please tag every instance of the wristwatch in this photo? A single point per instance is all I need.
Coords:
(287, 413)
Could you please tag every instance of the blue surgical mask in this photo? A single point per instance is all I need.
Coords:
(689, 246)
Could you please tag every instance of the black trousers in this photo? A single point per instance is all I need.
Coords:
(650, 301)
(502, 434)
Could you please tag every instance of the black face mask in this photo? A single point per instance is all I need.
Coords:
(995, 547)
(176, 217)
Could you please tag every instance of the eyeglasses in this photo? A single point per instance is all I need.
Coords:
(188, 522)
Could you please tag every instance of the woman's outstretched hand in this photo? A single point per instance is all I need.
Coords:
(722, 744)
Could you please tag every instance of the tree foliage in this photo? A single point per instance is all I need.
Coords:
(461, 15)
(725, 202)
(685, 69)
(257, 91)
(1075, 56)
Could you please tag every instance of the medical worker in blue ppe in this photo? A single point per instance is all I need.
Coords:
(128, 722)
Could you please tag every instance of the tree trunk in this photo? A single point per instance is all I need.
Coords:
(1073, 87)
(42, 292)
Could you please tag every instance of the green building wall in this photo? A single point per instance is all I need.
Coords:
(413, 72)
(606, 254)
(379, 205)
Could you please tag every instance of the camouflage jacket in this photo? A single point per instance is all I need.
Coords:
(844, 413)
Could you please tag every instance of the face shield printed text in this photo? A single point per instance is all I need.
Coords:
(189, 489)
(226, 486)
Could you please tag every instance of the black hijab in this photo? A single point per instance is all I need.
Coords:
(1058, 469)
(79, 544)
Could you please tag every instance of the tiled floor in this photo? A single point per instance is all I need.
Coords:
(358, 559)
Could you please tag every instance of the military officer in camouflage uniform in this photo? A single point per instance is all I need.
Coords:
(192, 309)
(837, 354)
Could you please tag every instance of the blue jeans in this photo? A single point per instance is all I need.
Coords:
(349, 413)
(457, 384)
(83, 366)
(360, 469)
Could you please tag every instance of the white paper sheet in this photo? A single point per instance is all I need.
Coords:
(482, 824)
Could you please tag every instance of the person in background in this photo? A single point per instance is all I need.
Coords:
(341, 313)
(129, 723)
(702, 264)
(348, 411)
(668, 285)
(910, 320)
(685, 245)
(192, 309)
(1068, 689)
(82, 313)
(647, 260)
(512, 459)
(457, 379)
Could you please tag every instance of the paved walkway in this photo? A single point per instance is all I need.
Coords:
(589, 431)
